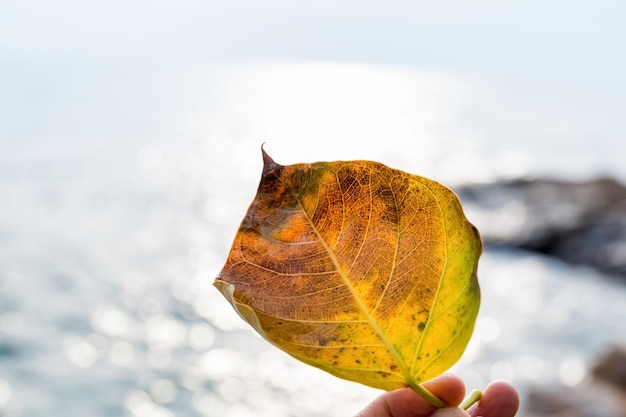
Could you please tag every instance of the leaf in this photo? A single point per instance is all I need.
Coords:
(361, 270)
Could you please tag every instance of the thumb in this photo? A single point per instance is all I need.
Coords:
(450, 412)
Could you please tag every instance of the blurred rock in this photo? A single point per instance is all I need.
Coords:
(580, 222)
(611, 368)
(603, 395)
(587, 401)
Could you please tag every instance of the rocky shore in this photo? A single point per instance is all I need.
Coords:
(579, 222)
(582, 223)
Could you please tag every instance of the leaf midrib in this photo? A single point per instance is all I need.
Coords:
(369, 318)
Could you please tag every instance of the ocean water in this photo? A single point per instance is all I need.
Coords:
(121, 190)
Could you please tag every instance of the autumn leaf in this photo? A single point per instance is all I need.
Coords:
(364, 271)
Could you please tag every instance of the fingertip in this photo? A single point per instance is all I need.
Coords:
(403, 402)
(500, 399)
(448, 388)
(506, 394)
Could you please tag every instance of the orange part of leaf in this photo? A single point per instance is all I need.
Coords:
(361, 270)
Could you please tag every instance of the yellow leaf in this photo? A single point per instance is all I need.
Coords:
(361, 270)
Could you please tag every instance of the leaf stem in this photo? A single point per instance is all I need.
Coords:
(474, 397)
(427, 395)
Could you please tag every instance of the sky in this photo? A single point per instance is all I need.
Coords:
(564, 43)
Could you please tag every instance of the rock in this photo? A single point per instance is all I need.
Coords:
(602, 395)
(584, 401)
(580, 222)
(611, 368)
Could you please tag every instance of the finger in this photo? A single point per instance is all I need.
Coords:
(406, 403)
(448, 388)
(450, 412)
(500, 399)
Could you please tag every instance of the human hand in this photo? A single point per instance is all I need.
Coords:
(499, 400)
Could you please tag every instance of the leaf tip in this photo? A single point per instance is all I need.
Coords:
(268, 162)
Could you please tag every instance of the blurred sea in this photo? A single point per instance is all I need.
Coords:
(121, 189)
